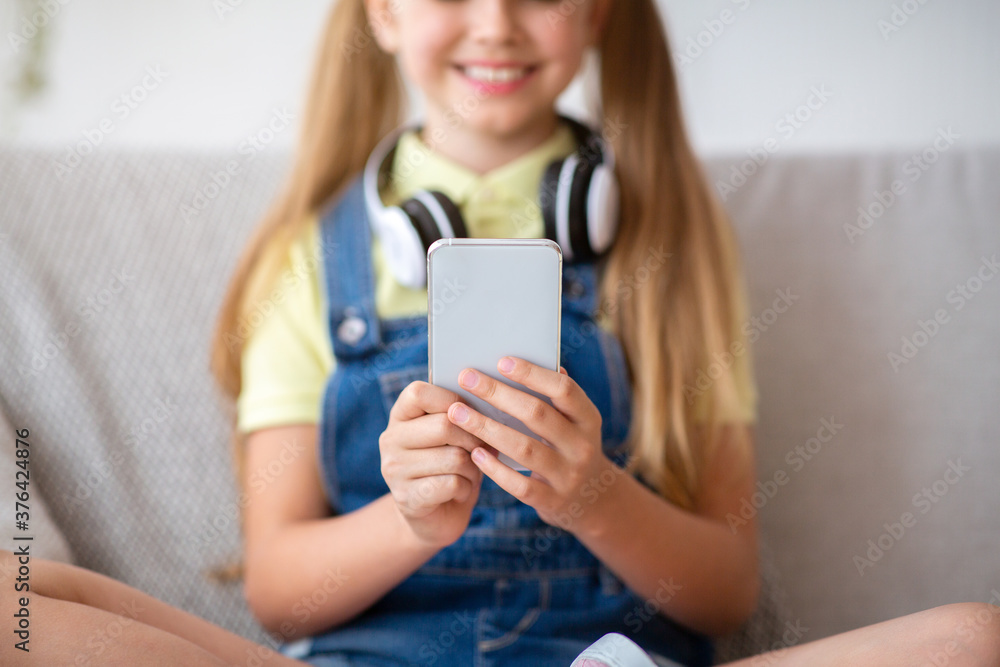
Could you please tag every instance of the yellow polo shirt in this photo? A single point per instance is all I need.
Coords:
(288, 356)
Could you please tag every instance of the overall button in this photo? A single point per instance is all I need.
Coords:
(351, 330)
(575, 289)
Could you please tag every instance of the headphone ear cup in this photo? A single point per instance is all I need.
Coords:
(422, 221)
(434, 216)
(548, 197)
(579, 215)
(430, 215)
(404, 250)
(589, 225)
(452, 214)
(602, 209)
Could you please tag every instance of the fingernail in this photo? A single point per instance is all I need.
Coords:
(506, 364)
(460, 414)
(478, 455)
(468, 379)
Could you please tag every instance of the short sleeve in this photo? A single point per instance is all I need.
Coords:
(738, 363)
(287, 357)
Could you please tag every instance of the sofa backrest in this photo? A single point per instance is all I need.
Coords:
(877, 374)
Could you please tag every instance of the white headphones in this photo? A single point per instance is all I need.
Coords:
(578, 197)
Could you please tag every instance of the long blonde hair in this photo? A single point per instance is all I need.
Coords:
(670, 325)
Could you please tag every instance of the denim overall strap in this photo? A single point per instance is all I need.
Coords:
(348, 281)
(345, 238)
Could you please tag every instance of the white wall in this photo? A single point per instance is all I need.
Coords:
(224, 75)
(888, 86)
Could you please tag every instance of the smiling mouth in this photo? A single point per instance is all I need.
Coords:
(496, 74)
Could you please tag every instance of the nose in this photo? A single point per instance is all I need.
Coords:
(494, 20)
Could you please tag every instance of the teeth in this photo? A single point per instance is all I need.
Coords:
(495, 75)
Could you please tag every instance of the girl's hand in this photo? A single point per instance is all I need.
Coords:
(565, 477)
(426, 463)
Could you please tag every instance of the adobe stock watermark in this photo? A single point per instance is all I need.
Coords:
(786, 127)
(793, 634)
(334, 580)
(899, 16)
(301, 269)
(247, 150)
(625, 287)
(447, 294)
(914, 167)
(262, 477)
(562, 523)
(923, 502)
(223, 8)
(422, 490)
(362, 39)
(751, 330)
(796, 458)
(383, 360)
(971, 625)
(639, 615)
(432, 650)
(100, 639)
(95, 304)
(121, 109)
(926, 330)
(37, 20)
(103, 469)
(565, 9)
(696, 45)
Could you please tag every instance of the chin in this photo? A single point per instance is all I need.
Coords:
(508, 123)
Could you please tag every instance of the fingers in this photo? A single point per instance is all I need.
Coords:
(544, 419)
(413, 465)
(429, 492)
(421, 398)
(432, 430)
(431, 477)
(531, 490)
(527, 451)
(566, 395)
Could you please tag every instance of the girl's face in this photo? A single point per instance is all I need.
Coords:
(488, 66)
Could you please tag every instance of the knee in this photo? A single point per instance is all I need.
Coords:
(8, 577)
(968, 633)
(8, 568)
(44, 576)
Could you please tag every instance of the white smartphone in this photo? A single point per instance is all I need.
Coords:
(487, 299)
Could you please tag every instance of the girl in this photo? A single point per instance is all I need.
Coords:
(393, 534)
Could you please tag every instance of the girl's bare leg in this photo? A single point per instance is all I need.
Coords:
(955, 635)
(81, 617)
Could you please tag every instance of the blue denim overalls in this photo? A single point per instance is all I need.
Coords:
(512, 590)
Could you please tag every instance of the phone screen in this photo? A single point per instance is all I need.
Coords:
(490, 298)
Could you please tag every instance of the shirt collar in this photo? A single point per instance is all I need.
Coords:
(416, 166)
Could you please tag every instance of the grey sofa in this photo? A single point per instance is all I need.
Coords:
(875, 336)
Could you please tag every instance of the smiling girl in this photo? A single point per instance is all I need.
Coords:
(429, 524)
(393, 534)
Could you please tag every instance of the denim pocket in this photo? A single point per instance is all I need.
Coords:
(509, 623)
